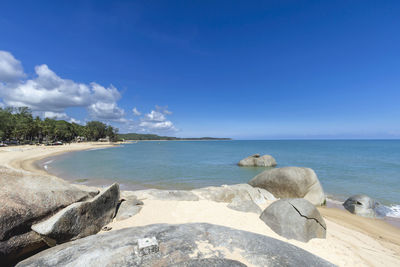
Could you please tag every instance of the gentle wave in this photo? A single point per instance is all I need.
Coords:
(48, 162)
(98, 148)
(382, 210)
(392, 211)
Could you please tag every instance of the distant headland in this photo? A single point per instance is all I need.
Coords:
(136, 136)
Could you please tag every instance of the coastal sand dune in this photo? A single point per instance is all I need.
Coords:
(351, 240)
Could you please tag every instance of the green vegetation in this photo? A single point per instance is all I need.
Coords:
(17, 126)
(136, 136)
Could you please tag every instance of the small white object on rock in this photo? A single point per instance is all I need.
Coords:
(147, 245)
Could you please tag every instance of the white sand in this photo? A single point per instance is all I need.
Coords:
(351, 240)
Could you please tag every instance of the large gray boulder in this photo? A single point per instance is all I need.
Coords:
(295, 219)
(291, 182)
(80, 219)
(361, 205)
(27, 199)
(177, 245)
(258, 161)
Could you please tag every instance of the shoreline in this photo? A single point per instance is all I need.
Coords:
(363, 235)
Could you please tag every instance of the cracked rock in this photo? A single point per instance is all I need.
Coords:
(295, 218)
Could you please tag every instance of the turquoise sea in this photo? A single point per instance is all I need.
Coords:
(344, 167)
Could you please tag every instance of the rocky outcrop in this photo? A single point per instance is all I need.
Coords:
(258, 161)
(80, 219)
(226, 193)
(241, 197)
(361, 205)
(27, 199)
(177, 245)
(244, 206)
(291, 182)
(294, 219)
(182, 195)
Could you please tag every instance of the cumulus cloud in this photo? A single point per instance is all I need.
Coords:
(156, 121)
(163, 109)
(136, 112)
(154, 116)
(10, 68)
(56, 115)
(51, 94)
(72, 120)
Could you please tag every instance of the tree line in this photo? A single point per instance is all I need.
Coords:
(20, 126)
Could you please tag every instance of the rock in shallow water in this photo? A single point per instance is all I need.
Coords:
(291, 182)
(80, 219)
(361, 205)
(294, 219)
(178, 244)
(258, 161)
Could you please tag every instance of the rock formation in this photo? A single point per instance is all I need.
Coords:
(258, 161)
(291, 182)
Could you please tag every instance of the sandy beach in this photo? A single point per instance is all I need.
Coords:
(351, 240)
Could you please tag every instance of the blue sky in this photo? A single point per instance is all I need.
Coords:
(241, 69)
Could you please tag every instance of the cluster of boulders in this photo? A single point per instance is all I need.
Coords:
(39, 212)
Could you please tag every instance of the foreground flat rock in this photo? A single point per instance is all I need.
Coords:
(291, 182)
(27, 199)
(258, 161)
(80, 219)
(178, 245)
(361, 205)
(295, 219)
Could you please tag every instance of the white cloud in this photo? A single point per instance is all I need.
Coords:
(51, 94)
(136, 112)
(157, 126)
(154, 116)
(10, 68)
(72, 120)
(156, 121)
(163, 109)
(55, 115)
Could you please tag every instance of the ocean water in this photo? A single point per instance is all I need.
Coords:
(344, 167)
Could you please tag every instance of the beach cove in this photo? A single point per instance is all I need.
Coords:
(351, 240)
